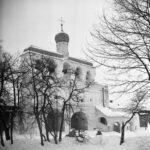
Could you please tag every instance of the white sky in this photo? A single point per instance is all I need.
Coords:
(26, 22)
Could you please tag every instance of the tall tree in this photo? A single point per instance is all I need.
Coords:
(8, 74)
(46, 75)
(133, 108)
(51, 96)
(4, 95)
(122, 44)
(74, 91)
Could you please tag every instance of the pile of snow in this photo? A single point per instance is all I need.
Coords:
(139, 140)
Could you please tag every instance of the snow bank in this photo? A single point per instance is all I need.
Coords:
(108, 141)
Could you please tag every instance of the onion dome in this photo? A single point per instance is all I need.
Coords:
(62, 37)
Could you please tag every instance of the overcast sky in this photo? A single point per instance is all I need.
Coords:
(36, 22)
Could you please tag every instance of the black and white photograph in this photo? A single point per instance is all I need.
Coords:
(74, 74)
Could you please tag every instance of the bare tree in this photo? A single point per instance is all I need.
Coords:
(42, 83)
(4, 74)
(8, 81)
(59, 95)
(36, 97)
(52, 96)
(48, 82)
(74, 94)
(133, 108)
(121, 44)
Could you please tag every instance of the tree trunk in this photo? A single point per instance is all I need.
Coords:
(46, 127)
(44, 117)
(7, 134)
(55, 139)
(122, 133)
(40, 128)
(2, 140)
(11, 128)
(62, 122)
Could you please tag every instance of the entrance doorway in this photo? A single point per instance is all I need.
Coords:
(116, 127)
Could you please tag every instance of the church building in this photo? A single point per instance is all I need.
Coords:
(96, 98)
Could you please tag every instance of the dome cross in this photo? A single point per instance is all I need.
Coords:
(61, 23)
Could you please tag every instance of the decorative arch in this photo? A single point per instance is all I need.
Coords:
(79, 72)
(88, 76)
(103, 120)
(116, 127)
(51, 65)
(66, 67)
(79, 121)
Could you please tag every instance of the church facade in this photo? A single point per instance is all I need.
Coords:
(96, 98)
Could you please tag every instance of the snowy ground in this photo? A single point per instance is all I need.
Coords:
(139, 140)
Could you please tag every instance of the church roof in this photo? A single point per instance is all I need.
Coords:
(54, 54)
(110, 113)
(38, 50)
(80, 61)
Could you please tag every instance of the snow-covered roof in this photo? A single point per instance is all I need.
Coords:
(110, 113)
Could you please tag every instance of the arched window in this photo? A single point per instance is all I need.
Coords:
(88, 76)
(103, 120)
(51, 65)
(78, 72)
(66, 67)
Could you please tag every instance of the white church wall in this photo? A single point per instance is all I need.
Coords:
(84, 69)
(135, 123)
(93, 96)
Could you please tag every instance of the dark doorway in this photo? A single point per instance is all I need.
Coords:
(117, 127)
(79, 121)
